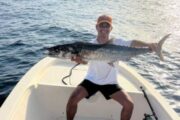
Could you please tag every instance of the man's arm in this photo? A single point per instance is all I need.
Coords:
(139, 44)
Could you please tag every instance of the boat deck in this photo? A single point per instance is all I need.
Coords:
(49, 95)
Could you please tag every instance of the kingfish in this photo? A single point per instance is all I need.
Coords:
(101, 52)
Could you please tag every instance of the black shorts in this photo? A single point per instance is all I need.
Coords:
(106, 90)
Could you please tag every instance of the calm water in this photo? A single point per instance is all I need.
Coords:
(27, 26)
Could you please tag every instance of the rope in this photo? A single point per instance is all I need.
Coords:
(70, 73)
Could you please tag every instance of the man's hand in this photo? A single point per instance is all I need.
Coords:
(153, 46)
(78, 59)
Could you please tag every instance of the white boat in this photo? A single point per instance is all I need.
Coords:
(41, 95)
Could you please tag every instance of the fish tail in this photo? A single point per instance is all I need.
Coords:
(159, 48)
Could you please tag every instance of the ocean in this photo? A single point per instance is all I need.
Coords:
(27, 26)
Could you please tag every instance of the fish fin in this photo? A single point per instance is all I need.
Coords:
(159, 48)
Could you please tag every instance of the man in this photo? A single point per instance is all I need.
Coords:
(102, 76)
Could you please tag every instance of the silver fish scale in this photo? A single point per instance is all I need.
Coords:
(111, 52)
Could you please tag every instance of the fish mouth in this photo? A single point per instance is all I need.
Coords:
(59, 54)
(51, 54)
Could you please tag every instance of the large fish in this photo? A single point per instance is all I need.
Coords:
(101, 52)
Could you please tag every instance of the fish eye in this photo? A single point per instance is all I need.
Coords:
(57, 50)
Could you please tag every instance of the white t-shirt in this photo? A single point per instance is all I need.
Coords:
(102, 73)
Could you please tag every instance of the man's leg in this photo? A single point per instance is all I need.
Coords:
(71, 108)
(125, 100)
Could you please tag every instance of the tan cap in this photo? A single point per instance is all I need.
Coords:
(104, 18)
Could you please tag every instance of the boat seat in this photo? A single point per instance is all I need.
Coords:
(50, 102)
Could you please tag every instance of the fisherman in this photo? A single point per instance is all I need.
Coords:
(102, 76)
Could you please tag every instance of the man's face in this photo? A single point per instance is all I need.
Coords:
(103, 28)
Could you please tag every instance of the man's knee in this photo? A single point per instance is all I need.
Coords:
(72, 101)
(128, 105)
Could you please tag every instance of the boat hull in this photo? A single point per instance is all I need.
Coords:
(41, 95)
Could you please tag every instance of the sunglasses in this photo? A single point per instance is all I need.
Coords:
(104, 25)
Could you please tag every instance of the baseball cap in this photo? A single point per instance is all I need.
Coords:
(104, 18)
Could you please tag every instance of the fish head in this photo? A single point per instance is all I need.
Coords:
(63, 51)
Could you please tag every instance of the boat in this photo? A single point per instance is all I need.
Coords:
(41, 95)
